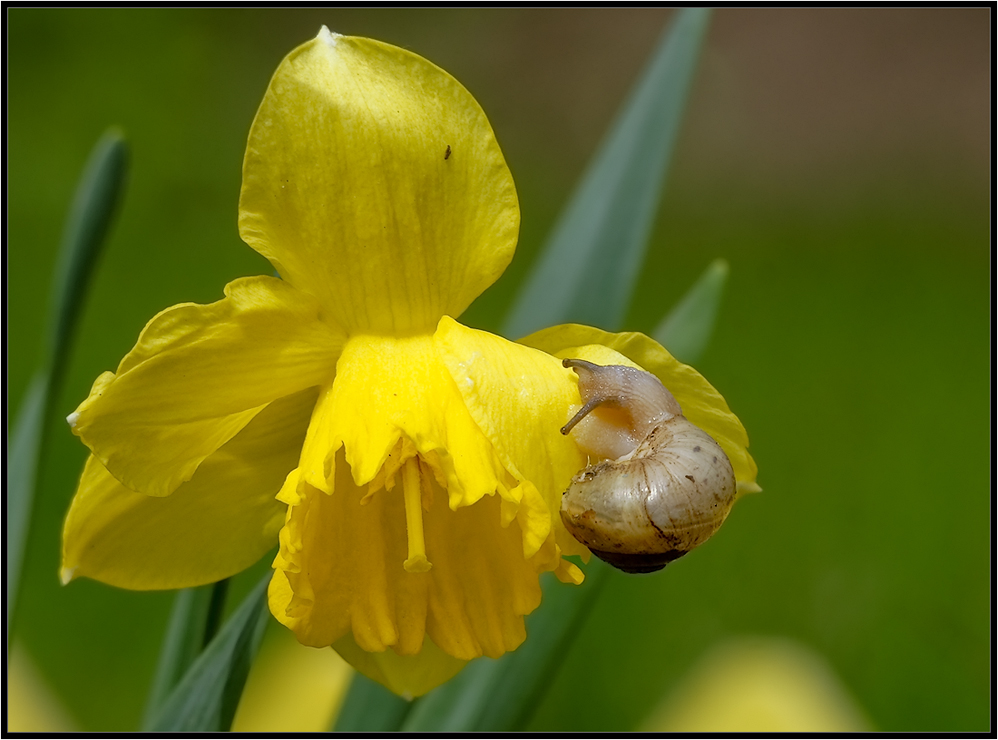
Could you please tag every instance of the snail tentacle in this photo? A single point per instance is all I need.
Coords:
(591, 404)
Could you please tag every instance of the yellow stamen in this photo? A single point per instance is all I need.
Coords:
(412, 491)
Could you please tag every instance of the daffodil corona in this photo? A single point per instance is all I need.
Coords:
(411, 468)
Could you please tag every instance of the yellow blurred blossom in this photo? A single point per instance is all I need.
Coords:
(759, 685)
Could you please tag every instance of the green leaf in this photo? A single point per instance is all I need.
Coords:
(94, 205)
(22, 468)
(206, 698)
(585, 273)
(97, 195)
(370, 707)
(501, 695)
(194, 621)
(587, 269)
(687, 328)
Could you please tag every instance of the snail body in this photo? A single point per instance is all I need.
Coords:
(666, 485)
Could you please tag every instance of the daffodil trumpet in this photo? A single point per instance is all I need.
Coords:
(411, 468)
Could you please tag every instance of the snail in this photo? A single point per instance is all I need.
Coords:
(664, 485)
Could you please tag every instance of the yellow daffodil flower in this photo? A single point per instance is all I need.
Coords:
(417, 464)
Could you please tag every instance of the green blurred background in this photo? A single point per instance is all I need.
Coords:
(838, 159)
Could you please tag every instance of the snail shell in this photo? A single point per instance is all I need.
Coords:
(667, 485)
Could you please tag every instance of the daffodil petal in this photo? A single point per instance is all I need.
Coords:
(340, 570)
(197, 375)
(520, 398)
(700, 401)
(373, 181)
(482, 585)
(408, 676)
(386, 388)
(215, 525)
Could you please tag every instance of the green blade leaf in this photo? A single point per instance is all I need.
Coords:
(586, 273)
(93, 209)
(587, 269)
(194, 621)
(686, 329)
(370, 707)
(501, 695)
(97, 195)
(206, 698)
(595, 252)
(22, 468)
